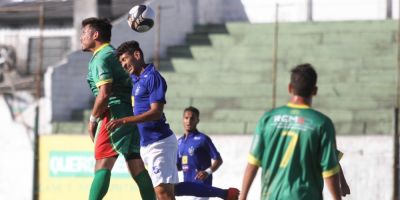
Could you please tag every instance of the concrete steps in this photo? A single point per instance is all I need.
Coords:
(226, 72)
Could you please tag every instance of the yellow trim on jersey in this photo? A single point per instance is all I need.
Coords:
(301, 106)
(133, 101)
(100, 47)
(253, 160)
(100, 83)
(331, 172)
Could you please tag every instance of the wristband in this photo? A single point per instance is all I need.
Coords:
(93, 119)
(209, 171)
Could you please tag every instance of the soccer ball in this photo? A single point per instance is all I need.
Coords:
(141, 18)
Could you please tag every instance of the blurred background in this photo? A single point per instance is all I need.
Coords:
(229, 58)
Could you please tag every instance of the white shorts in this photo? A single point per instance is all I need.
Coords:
(160, 159)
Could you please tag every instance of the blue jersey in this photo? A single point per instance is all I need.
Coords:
(148, 88)
(194, 154)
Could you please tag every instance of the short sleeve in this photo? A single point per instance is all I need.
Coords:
(157, 88)
(257, 145)
(328, 154)
(103, 72)
(211, 149)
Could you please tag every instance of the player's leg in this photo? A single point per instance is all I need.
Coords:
(105, 156)
(141, 176)
(101, 180)
(205, 190)
(160, 158)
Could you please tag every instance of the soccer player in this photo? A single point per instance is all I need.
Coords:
(295, 145)
(197, 156)
(158, 143)
(111, 86)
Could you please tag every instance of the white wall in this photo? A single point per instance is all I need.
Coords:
(367, 164)
(16, 166)
(256, 11)
(367, 161)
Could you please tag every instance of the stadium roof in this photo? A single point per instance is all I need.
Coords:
(58, 13)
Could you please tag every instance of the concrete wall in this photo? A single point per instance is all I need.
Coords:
(19, 39)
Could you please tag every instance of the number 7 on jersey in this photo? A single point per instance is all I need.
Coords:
(289, 151)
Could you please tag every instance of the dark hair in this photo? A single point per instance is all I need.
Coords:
(193, 110)
(101, 25)
(130, 47)
(303, 79)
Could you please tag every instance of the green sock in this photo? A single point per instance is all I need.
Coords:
(145, 186)
(100, 184)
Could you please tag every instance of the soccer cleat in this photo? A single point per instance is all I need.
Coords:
(232, 194)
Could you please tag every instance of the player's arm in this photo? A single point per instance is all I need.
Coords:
(344, 187)
(329, 159)
(215, 164)
(155, 113)
(332, 183)
(248, 178)
(216, 160)
(255, 156)
(100, 105)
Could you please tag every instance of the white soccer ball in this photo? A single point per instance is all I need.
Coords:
(141, 18)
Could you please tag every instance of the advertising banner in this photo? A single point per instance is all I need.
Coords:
(67, 168)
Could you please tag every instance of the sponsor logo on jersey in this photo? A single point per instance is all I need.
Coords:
(191, 150)
(185, 168)
(184, 160)
(197, 138)
(288, 119)
(137, 90)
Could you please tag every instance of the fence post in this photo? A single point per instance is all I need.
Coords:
(310, 10)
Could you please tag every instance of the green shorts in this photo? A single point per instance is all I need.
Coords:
(124, 140)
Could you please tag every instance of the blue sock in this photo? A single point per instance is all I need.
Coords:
(198, 190)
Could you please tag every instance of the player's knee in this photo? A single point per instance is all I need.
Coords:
(165, 191)
(135, 166)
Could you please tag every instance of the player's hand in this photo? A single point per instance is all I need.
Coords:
(92, 126)
(112, 125)
(201, 175)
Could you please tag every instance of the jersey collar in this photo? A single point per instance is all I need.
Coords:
(149, 68)
(192, 133)
(300, 106)
(100, 48)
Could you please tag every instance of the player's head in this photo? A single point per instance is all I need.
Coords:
(95, 29)
(303, 81)
(191, 117)
(131, 56)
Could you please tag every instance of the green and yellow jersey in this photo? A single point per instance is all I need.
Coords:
(104, 67)
(296, 148)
